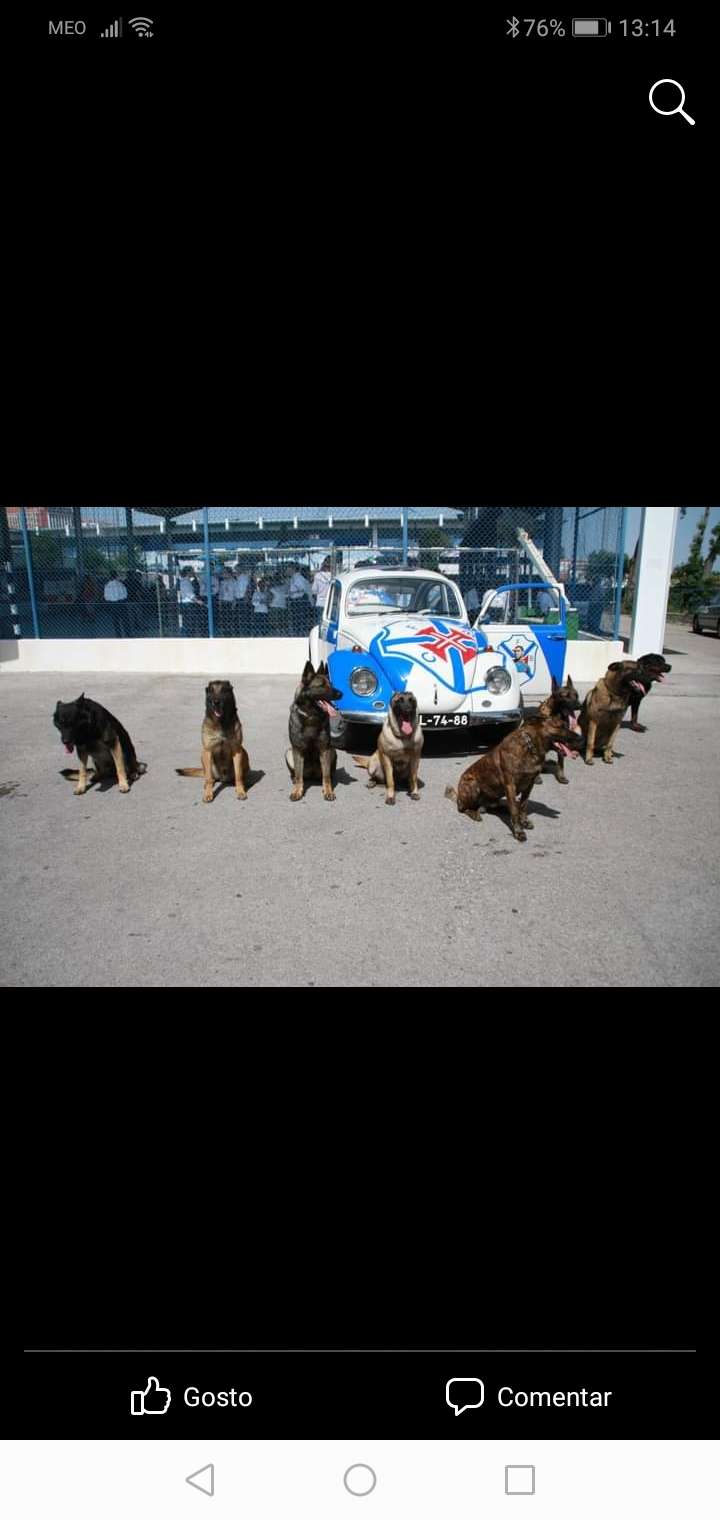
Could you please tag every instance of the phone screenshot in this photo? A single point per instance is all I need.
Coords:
(359, 615)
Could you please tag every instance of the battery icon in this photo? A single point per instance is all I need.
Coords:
(594, 28)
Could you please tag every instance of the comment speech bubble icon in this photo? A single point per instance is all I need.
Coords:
(464, 1393)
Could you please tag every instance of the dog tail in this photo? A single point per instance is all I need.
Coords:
(190, 770)
(72, 775)
(451, 793)
(363, 761)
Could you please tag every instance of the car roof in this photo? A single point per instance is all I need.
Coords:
(371, 574)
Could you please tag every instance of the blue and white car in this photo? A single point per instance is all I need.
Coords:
(384, 631)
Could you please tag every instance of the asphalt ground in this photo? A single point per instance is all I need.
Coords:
(617, 885)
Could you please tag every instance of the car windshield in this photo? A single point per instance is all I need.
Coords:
(384, 594)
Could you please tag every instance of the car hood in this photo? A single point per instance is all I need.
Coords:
(441, 660)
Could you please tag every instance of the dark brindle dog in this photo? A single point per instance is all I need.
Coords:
(649, 668)
(562, 699)
(511, 770)
(92, 730)
(399, 748)
(605, 707)
(311, 756)
(223, 756)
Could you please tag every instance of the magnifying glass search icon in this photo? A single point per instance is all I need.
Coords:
(674, 109)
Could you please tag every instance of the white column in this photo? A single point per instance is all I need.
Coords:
(652, 578)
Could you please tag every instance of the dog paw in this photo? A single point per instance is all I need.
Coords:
(589, 762)
(527, 824)
(79, 791)
(521, 837)
(562, 781)
(607, 759)
(329, 796)
(414, 796)
(390, 801)
(371, 786)
(638, 728)
(124, 788)
(296, 796)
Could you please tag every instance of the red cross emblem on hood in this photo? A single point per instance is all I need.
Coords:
(455, 638)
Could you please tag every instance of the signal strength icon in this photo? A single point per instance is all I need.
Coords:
(142, 25)
(113, 30)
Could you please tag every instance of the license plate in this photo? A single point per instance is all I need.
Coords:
(444, 720)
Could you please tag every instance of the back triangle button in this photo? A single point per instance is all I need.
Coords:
(203, 1479)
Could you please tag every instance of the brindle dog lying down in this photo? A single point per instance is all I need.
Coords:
(511, 770)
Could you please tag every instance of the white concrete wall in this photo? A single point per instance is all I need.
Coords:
(653, 571)
(586, 661)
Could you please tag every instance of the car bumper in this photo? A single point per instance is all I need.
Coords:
(509, 715)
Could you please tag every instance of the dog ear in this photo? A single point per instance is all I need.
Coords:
(554, 685)
(308, 672)
(569, 680)
(617, 665)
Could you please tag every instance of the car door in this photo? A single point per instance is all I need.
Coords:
(328, 630)
(528, 622)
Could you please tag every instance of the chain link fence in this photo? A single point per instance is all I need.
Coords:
(237, 572)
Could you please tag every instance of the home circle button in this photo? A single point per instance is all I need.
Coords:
(360, 1479)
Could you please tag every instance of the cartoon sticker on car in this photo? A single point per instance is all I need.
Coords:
(523, 653)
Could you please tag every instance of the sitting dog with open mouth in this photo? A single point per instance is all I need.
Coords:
(511, 769)
(649, 668)
(562, 699)
(605, 707)
(92, 730)
(311, 756)
(223, 756)
(399, 748)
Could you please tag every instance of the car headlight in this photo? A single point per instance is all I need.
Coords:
(363, 681)
(498, 680)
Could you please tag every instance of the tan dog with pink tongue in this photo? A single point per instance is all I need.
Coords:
(398, 749)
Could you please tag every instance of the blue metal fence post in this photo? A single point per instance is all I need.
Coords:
(208, 575)
(28, 563)
(619, 568)
(404, 534)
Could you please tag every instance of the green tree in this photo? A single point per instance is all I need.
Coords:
(713, 549)
(430, 536)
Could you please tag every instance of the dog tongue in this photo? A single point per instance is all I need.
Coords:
(574, 725)
(329, 709)
(405, 727)
(69, 748)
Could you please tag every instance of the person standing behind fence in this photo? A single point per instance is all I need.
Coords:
(89, 599)
(260, 609)
(226, 602)
(243, 591)
(115, 594)
(134, 593)
(189, 602)
(300, 599)
(278, 605)
(320, 584)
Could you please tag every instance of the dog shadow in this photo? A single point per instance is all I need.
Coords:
(252, 779)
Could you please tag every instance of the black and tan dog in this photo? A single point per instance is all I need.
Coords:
(649, 668)
(92, 730)
(605, 707)
(311, 756)
(562, 699)
(223, 756)
(399, 748)
(510, 771)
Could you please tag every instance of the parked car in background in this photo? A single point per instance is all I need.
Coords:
(707, 617)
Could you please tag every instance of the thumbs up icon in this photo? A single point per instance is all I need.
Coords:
(150, 1400)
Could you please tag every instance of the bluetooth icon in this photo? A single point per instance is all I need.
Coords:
(513, 28)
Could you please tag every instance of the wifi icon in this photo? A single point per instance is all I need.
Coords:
(142, 25)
